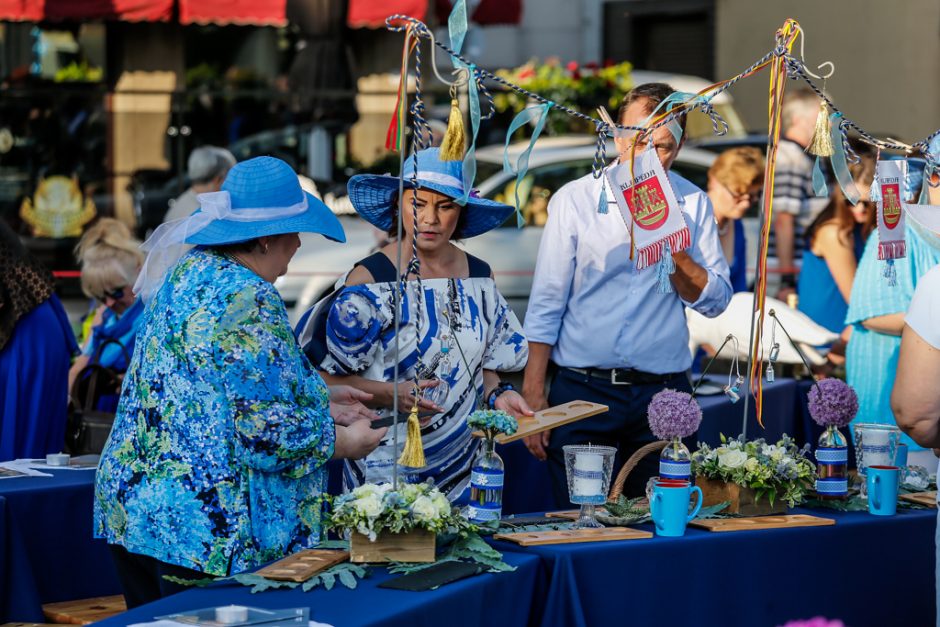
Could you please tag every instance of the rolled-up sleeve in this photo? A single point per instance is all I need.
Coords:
(706, 252)
(554, 271)
(279, 405)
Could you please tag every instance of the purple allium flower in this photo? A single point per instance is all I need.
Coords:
(818, 621)
(832, 402)
(673, 414)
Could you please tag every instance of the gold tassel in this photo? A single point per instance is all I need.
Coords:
(821, 144)
(452, 146)
(412, 455)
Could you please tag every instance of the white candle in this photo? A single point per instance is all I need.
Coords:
(876, 447)
(231, 614)
(588, 474)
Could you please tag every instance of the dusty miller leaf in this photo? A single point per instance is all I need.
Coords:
(347, 579)
(260, 584)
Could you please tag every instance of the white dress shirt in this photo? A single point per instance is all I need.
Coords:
(594, 307)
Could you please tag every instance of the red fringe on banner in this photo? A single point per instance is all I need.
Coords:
(892, 250)
(649, 255)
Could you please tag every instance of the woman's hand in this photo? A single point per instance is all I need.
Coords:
(406, 398)
(347, 405)
(357, 440)
(513, 404)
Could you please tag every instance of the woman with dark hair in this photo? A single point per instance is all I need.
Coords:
(834, 244)
(36, 344)
(456, 330)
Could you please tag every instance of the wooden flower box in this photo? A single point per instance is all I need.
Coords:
(418, 545)
(743, 500)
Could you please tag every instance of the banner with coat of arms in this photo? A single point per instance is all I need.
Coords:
(890, 180)
(649, 208)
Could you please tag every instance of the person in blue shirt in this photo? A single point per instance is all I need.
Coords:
(734, 184)
(834, 244)
(614, 337)
(110, 258)
(36, 343)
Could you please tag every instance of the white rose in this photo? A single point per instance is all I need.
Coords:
(751, 464)
(423, 508)
(732, 459)
(441, 504)
(369, 506)
(364, 490)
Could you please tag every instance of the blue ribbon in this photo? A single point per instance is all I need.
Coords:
(819, 181)
(522, 163)
(602, 201)
(840, 166)
(469, 169)
(665, 268)
(457, 28)
(673, 99)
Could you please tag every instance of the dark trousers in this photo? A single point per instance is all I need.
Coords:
(624, 427)
(142, 579)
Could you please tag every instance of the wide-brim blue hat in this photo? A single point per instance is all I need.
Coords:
(372, 194)
(262, 184)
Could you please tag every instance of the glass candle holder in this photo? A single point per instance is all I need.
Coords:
(588, 468)
(876, 444)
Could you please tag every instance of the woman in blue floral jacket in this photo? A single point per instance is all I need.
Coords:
(215, 462)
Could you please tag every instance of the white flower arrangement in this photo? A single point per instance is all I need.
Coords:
(780, 470)
(373, 508)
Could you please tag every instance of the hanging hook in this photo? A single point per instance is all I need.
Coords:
(832, 67)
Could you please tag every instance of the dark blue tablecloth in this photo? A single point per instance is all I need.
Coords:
(528, 488)
(866, 571)
(47, 552)
(488, 599)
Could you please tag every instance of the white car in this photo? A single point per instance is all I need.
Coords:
(509, 250)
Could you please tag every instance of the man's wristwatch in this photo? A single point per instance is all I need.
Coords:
(496, 392)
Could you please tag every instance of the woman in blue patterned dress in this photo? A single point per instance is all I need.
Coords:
(215, 462)
(876, 314)
(456, 329)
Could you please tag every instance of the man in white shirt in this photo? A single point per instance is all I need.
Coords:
(614, 337)
(206, 169)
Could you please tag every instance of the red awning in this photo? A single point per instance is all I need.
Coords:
(56, 10)
(242, 12)
(487, 11)
(372, 14)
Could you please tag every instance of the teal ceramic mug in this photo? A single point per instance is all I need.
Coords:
(882, 490)
(669, 507)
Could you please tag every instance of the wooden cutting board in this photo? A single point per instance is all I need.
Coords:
(551, 418)
(761, 522)
(303, 565)
(571, 536)
(921, 498)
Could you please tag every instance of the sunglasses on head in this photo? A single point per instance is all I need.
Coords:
(115, 294)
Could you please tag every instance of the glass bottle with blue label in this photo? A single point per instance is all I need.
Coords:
(675, 462)
(832, 459)
(486, 484)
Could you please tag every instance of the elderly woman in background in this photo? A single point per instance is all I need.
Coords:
(111, 259)
(216, 460)
(734, 184)
(36, 344)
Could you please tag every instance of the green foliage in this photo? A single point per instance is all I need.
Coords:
(780, 470)
(713, 511)
(79, 73)
(580, 87)
(261, 584)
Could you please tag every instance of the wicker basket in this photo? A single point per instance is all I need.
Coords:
(617, 488)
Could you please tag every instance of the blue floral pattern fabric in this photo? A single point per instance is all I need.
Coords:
(216, 459)
(451, 329)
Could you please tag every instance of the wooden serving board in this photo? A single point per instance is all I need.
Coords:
(551, 418)
(84, 611)
(303, 565)
(921, 498)
(570, 536)
(761, 522)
